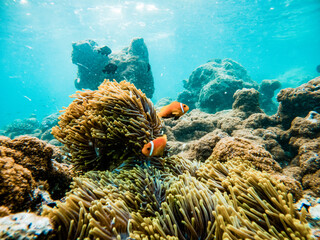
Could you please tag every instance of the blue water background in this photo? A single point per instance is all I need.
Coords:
(271, 39)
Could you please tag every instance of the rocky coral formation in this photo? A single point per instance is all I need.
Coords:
(298, 102)
(29, 167)
(229, 180)
(304, 141)
(25, 226)
(241, 148)
(98, 63)
(21, 127)
(17, 184)
(211, 86)
(296, 150)
(32, 127)
(216, 201)
(247, 101)
(103, 128)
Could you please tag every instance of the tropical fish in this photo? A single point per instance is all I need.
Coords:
(174, 109)
(156, 147)
(104, 50)
(110, 68)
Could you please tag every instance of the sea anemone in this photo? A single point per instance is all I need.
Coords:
(228, 200)
(102, 128)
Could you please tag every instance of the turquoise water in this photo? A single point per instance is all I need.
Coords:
(271, 39)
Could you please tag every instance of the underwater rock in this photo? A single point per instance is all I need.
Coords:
(312, 181)
(25, 226)
(130, 64)
(211, 86)
(16, 186)
(234, 147)
(32, 127)
(298, 102)
(247, 100)
(267, 88)
(259, 120)
(21, 127)
(191, 126)
(305, 140)
(197, 149)
(28, 163)
(49, 121)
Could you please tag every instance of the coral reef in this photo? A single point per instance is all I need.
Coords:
(21, 127)
(17, 184)
(211, 86)
(102, 128)
(25, 226)
(230, 147)
(247, 100)
(296, 150)
(32, 127)
(298, 102)
(234, 174)
(29, 167)
(214, 201)
(98, 63)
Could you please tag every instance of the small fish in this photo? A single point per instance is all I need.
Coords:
(104, 50)
(110, 68)
(156, 147)
(318, 68)
(174, 109)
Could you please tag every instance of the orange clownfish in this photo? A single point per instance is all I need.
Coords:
(156, 147)
(174, 109)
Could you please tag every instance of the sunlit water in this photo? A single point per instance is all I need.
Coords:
(271, 39)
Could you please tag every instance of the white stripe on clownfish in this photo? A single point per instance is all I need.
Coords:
(152, 147)
(181, 107)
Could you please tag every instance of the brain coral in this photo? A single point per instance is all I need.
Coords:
(102, 128)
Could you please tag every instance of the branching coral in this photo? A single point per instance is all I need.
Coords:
(102, 128)
(227, 200)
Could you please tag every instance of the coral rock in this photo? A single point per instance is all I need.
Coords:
(131, 64)
(298, 102)
(211, 86)
(247, 100)
(25, 226)
(305, 139)
(28, 163)
(191, 126)
(230, 147)
(16, 186)
(312, 181)
(22, 127)
(198, 150)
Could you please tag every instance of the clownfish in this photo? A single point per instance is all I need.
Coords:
(174, 109)
(156, 147)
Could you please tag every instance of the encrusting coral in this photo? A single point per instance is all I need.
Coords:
(214, 200)
(28, 168)
(102, 128)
